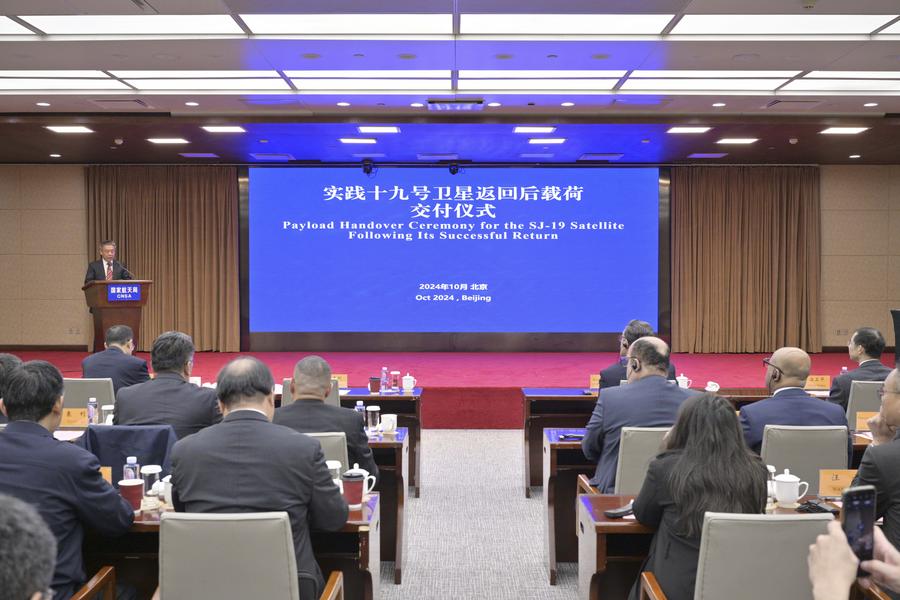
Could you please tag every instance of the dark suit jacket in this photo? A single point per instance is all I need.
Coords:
(247, 464)
(791, 407)
(168, 400)
(95, 271)
(63, 482)
(123, 369)
(880, 467)
(673, 557)
(616, 372)
(648, 402)
(871, 370)
(310, 415)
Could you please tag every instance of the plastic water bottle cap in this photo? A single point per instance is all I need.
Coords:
(131, 460)
(92, 399)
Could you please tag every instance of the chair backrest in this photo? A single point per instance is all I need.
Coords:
(334, 446)
(637, 447)
(805, 450)
(113, 444)
(863, 398)
(77, 391)
(748, 557)
(213, 555)
(286, 392)
(333, 398)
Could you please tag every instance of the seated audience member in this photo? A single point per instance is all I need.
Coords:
(116, 362)
(248, 464)
(27, 552)
(865, 347)
(170, 398)
(615, 373)
(309, 413)
(705, 467)
(880, 466)
(833, 565)
(786, 373)
(61, 480)
(8, 362)
(647, 401)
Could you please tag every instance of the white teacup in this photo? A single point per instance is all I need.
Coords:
(389, 423)
(684, 382)
(712, 386)
(788, 489)
(334, 467)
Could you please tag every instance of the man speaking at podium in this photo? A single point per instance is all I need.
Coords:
(107, 268)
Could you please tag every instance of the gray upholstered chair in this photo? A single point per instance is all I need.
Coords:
(863, 398)
(637, 447)
(198, 556)
(77, 391)
(333, 398)
(334, 446)
(286, 392)
(805, 450)
(747, 557)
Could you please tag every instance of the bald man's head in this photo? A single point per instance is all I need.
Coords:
(245, 382)
(648, 356)
(788, 367)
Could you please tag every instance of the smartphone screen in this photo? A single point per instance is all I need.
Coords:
(858, 520)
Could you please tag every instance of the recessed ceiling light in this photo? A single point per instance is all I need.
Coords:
(10, 27)
(562, 24)
(720, 74)
(702, 84)
(537, 74)
(537, 84)
(494, 104)
(547, 141)
(843, 85)
(378, 129)
(223, 84)
(358, 140)
(60, 156)
(224, 129)
(688, 129)
(134, 24)
(852, 75)
(737, 140)
(567, 104)
(54, 74)
(718, 104)
(193, 74)
(192, 104)
(844, 130)
(69, 129)
(370, 74)
(42, 104)
(19, 83)
(417, 105)
(855, 156)
(168, 141)
(350, 24)
(372, 84)
(342, 104)
(870, 104)
(783, 24)
(533, 129)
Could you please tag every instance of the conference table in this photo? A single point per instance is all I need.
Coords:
(354, 550)
(407, 405)
(563, 461)
(561, 407)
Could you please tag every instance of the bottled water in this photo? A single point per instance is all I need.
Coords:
(131, 470)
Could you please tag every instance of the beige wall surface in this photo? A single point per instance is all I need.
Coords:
(860, 250)
(42, 255)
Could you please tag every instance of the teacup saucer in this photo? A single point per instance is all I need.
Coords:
(786, 505)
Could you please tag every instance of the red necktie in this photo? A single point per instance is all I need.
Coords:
(109, 271)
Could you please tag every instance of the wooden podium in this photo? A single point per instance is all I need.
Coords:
(116, 303)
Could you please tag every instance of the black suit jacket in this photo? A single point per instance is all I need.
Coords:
(246, 464)
(612, 375)
(310, 415)
(96, 272)
(880, 467)
(168, 400)
(123, 369)
(673, 557)
(63, 482)
(871, 370)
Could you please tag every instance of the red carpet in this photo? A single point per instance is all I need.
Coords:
(479, 390)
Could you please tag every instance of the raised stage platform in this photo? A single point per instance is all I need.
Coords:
(470, 390)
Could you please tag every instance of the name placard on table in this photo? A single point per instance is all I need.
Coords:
(833, 482)
(123, 293)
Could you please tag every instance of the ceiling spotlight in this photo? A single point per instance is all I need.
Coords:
(367, 166)
(42, 104)
(870, 104)
(378, 129)
(737, 140)
(533, 129)
(718, 104)
(843, 130)
(567, 104)
(851, 156)
(358, 140)
(494, 104)
(453, 168)
(224, 129)
(192, 104)
(69, 129)
(168, 141)
(60, 156)
(677, 129)
(417, 105)
(343, 104)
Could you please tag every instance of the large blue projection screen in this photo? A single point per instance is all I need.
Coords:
(420, 250)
